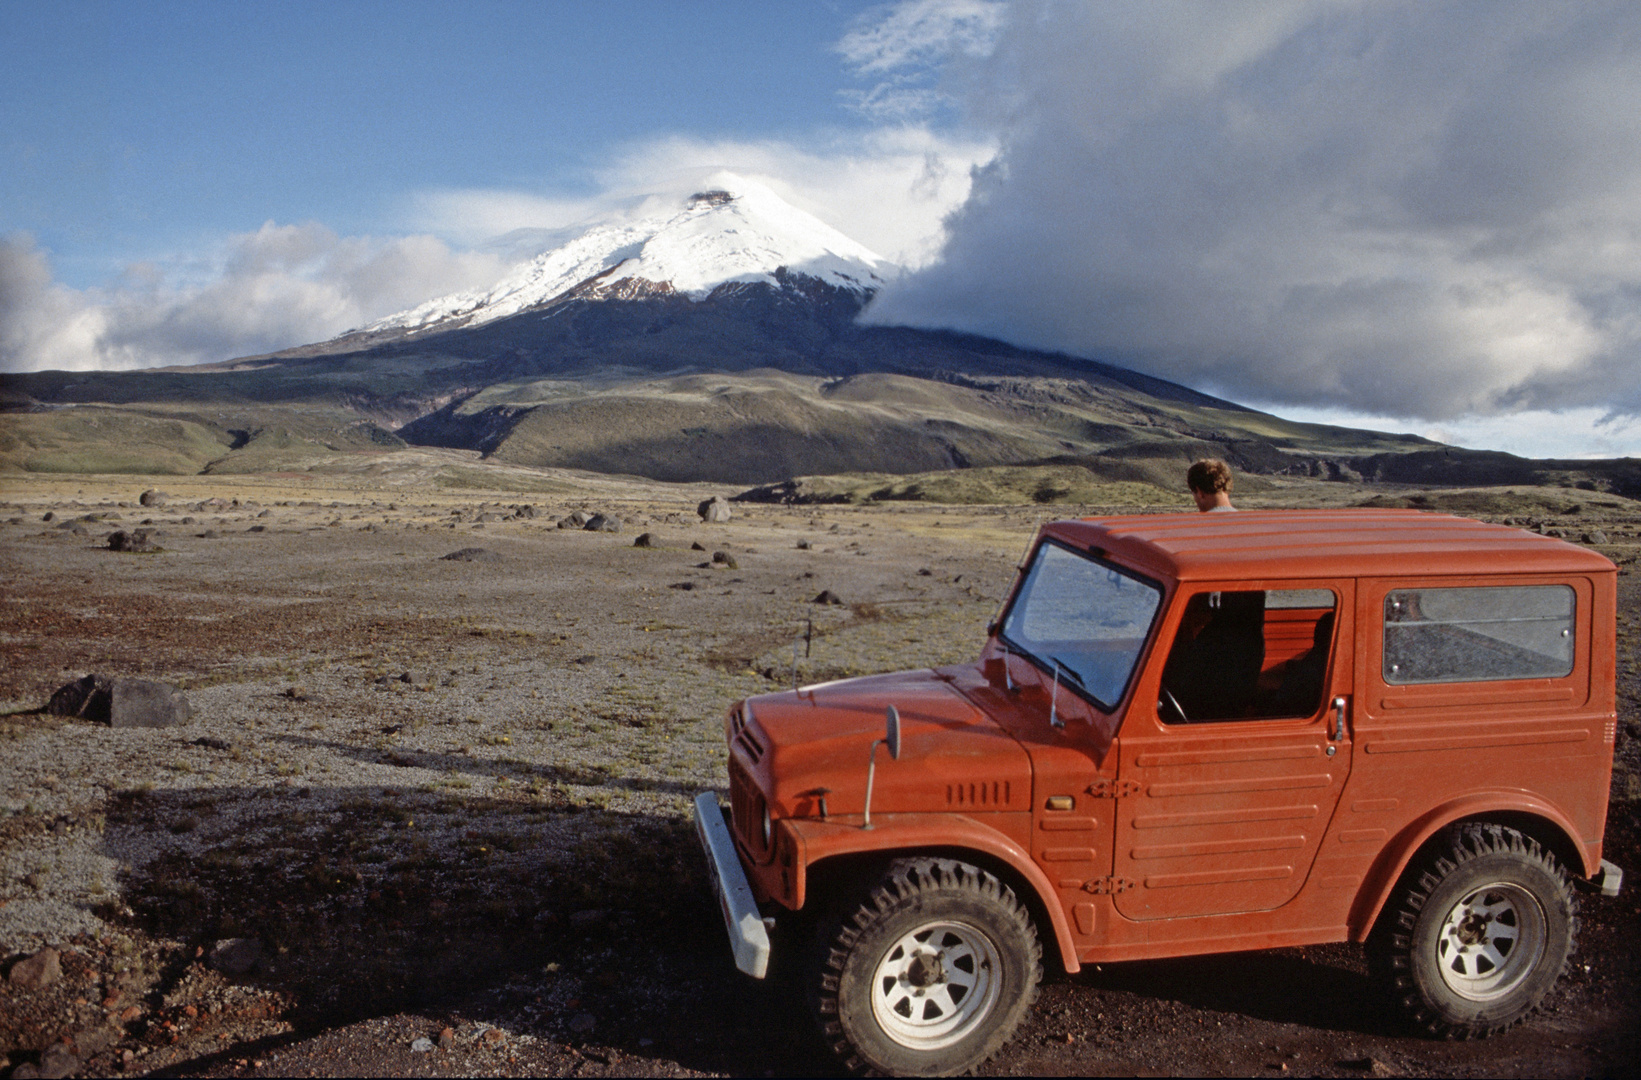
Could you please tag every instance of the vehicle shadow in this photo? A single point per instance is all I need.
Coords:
(579, 925)
(1323, 987)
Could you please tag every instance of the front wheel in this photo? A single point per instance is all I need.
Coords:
(1477, 933)
(932, 974)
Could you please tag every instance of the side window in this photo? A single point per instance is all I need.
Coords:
(1478, 634)
(1249, 655)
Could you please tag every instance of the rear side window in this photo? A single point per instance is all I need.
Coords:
(1478, 635)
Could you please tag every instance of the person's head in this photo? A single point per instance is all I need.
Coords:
(1210, 483)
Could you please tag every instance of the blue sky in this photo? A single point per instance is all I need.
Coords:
(130, 129)
(1420, 217)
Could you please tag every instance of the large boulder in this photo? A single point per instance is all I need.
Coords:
(121, 703)
(714, 511)
(603, 523)
(152, 498)
(576, 519)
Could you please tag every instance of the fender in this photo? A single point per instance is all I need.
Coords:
(816, 840)
(1393, 859)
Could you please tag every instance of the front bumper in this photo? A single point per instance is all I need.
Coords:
(1609, 879)
(748, 936)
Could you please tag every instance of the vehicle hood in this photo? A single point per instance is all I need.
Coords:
(953, 756)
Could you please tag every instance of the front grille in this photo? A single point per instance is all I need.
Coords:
(746, 808)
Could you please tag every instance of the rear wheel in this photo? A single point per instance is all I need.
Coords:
(932, 974)
(1477, 932)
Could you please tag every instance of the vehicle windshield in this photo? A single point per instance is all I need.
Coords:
(1085, 618)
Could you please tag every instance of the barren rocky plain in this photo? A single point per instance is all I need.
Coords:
(440, 805)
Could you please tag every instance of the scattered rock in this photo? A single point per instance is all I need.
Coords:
(726, 560)
(472, 554)
(422, 1045)
(714, 511)
(153, 498)
(37, 971)
(447, 1039)
(583, 1023)
(925, 572)
(136, 540)
(685, 586)
(56, 1061)
(697, 546)
(121, 703)
(827, 596)
(212, 744)
(645, 540)
(492, 1037)
(1595, 536)
(804, 545)
(576, 519)
(48, 516)
(603, 523)
(235, 956)
(209, 534)
(265, 513)
(264, 528)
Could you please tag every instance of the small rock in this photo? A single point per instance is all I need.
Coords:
(925, 572)
(697, 546)
(472, 554)
(1595, 536)
(57, 1061)
(210, 534)
(583, 1023)
(645, 540)
(37, 971)
(492, 1037)
(576, 519)
(714, 511)
(684, 586)
(153, 498)
(603, 523)
(421, 1046)
(48, 516)
(447, 1039)
(804, 545)
(235, 956)
(213, 744)
(827, 596)
(265, 513)
(136, 540)
(726, 560)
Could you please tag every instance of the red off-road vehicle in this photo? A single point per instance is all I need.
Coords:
(1192, 734)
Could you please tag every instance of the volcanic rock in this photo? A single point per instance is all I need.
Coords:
(714, 511)
(472, 554)
(121, 703)
(37, 971)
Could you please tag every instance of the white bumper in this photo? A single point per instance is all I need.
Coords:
(748, 936)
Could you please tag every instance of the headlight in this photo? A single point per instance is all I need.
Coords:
(769, 828)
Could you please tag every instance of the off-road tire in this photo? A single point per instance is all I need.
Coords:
(931, 975)
(1479, 929)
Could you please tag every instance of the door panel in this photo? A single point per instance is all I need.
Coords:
(1227, 816)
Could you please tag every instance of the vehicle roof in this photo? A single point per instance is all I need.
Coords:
(1255, 544)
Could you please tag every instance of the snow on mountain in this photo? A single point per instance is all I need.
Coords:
(738, 232)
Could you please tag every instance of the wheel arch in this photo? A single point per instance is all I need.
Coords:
(829, 871)
(1533, 818)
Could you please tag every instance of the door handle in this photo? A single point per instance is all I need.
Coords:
(1339, 719)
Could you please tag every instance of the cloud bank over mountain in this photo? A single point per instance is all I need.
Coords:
(1425, 210)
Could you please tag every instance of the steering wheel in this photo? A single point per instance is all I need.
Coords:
(1172, 702)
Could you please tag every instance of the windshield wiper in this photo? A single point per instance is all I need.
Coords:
(1069, 670)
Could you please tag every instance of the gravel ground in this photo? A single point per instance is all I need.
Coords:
(440, 794)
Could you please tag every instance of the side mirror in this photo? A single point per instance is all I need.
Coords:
(893, 737)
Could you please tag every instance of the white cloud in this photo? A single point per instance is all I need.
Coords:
(280, 286)
(1401, 208)
(889, 189)
(907, 45)
(1587, 432)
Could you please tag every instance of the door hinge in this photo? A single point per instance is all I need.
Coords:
(1105, 886)
(1114, 789)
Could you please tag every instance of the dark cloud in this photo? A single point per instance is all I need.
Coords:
(1419, 209)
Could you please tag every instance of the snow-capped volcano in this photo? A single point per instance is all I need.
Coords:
(739, 231)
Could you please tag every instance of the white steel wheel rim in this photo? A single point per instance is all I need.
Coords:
(936, 984)
(1491, 940)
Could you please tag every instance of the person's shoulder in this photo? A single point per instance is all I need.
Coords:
(1223, 510)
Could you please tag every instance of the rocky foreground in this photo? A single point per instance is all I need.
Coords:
(426, 810)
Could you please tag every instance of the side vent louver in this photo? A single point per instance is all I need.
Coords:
(749, 742)
(994, 793)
